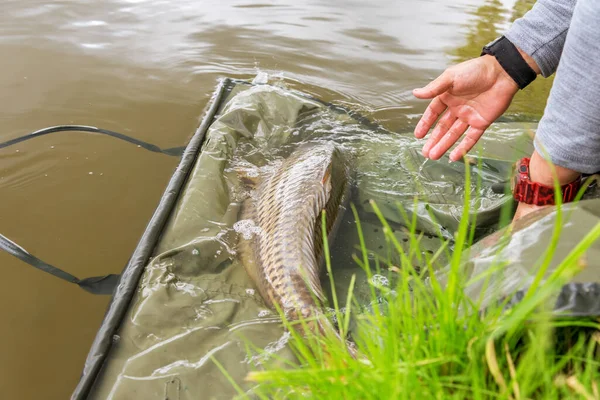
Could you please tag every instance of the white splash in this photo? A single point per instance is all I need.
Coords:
(247, 228)
(261, 78)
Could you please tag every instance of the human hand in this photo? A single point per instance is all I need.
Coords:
(471, 95)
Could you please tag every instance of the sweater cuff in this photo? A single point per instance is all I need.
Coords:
(541, 33)
(546, 57)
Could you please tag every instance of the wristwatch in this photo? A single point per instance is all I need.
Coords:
(526, 191)
(511, 60)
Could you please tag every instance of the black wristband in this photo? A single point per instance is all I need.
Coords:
(511, 60)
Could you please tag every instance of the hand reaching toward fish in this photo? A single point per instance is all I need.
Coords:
(471, 96)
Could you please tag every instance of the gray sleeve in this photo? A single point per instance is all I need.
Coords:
(541, 32)
(569, 131)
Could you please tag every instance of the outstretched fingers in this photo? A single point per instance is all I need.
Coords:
(473, 135)
(453, 134)
(431, 114)
(441, 128)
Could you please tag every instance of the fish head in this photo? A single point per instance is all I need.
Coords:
(333, 167)
(322, 167)
(325, 158)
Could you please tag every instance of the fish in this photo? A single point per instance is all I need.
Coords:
(285, 255)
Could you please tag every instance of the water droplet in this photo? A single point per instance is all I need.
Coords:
(195, 252)
(250, 292)
(422, 165)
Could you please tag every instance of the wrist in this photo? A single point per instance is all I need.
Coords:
(500, 73)
(541, 172)
(535, 179)
(515, 62)
(529, 60)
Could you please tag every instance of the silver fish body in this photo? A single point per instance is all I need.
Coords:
(285, 256)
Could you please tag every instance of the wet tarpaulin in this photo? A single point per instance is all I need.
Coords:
(184, 299)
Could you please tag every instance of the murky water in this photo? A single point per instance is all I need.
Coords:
(147, 69)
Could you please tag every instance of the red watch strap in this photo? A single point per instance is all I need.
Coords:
(530, 192)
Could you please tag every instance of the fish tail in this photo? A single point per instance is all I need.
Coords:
(327, 328)
(321, 327)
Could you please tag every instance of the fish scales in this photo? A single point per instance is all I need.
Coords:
(284, 258)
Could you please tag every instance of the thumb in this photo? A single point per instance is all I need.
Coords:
(435, 87)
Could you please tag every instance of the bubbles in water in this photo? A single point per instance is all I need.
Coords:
(16, 151)
(263, 313)
(247, 228)
(51, 147)
(379, 280)
(250, 292)
(195, 252)
(91, 173)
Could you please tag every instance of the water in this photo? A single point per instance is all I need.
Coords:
(147, 69)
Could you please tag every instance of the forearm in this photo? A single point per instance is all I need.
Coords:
(569, 131)
(542, 31)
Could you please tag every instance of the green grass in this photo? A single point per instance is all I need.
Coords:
(424, 338)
